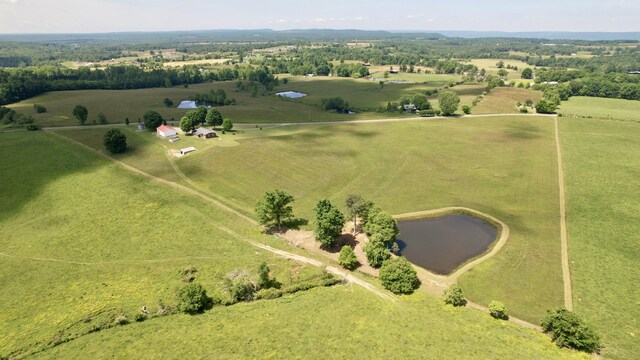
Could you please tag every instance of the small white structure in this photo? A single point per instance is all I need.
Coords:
(166, 131)
(187, 150)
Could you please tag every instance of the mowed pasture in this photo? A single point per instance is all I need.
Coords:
(505, 167)
(116, 105)
(603, 202)
(490, 66)
(584, 106)
(503, 100)
(121, 241)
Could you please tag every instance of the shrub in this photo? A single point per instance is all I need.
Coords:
(32, 127)
(39, 108)
(167, 102)
(347, 258)
(498, 310)
(264, 280)
(192, 298)
(569, 330)
(546, 107)
(121, 320)
(102, 118)
(398, 276)
(115, 141)
(240, 286)
(454, 296)
(466, 109)
(270, 293)
(140, 317)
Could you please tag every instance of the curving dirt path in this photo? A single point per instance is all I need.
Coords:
(564, 244)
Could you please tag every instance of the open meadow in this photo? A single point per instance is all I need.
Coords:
(490, 66)
(503, 100)
(603, 203)
(122, 242)
(592, 107)
(502, 166)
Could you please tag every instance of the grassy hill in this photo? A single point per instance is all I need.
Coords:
(84, 241)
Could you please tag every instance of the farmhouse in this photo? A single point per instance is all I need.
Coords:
(166, 131)
(204, 133)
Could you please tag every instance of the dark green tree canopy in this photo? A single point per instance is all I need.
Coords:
(527, 73)
(567, 329)
(398, 276)
(347, 258)
(152, 120)
(376, 251)
(80, 112)
(448, 101)
(213, 118)
(192, 299)
(274, 208)
(115, 141)
(329, 222)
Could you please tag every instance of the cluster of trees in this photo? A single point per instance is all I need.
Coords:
(214, 97)
(11, 117)
(586, 83)
(351, 70)
(337, 103)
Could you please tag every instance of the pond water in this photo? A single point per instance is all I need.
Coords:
(187, 104)
(442, 244)
(291, 94)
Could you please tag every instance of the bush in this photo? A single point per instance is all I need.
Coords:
(498, 310)
(240, 286)
(466, 109)
(39, 108)
(398, 276)
(270, 293)
(347, 258)
(454, 296)
(192, 298)
(102, 118)
(546, 107)
(569, 330)
(140, 317)
(32, 127)
(115, 141)
(121, 320)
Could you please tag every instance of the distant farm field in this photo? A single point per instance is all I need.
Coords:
(503, 100)
(490, 66)
(583, 106)
(603, 207)
(501, 166)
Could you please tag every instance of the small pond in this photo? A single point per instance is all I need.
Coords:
(187, 104)
(442, 244)
(291, 94)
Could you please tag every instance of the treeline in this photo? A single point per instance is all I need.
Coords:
(20, 84)
(583, 83)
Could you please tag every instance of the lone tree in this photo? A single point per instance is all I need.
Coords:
(356, 205)
(274, 208)
(192, 299)
(398, 276)
(329, 222)
(569, 330)
(168, 102)
(227, 125)
(347, 258)
(448, 101)
(527, 73)
(152, 120)
(545, 106)
(81, 113)
(454, 296)
(213, 118)
(115, 141)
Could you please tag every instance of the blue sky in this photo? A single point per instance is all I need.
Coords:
(51, 16)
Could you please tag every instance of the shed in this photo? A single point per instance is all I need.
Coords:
(204, 133)
(187, 150)
(166, 131)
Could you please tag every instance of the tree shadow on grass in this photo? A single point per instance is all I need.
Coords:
(294, 223)
(342, 240)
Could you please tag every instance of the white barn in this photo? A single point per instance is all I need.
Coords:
(166, 131)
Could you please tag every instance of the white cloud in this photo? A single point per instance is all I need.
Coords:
(9, 1)
(280, 20)
(321, 20)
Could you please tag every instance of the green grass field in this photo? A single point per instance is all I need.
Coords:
(490, 66)
(503, 100)
(363, 95)
(618, 109)
(603, 204)
(501, 166)
(132, 237)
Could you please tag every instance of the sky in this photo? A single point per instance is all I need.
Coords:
(85, 16)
